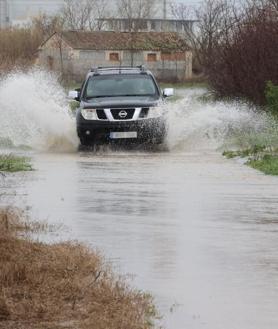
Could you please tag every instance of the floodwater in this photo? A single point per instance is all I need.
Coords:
(196, 230)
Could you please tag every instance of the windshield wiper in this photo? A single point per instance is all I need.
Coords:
(134, 95)
(99, 96)
(124, 95)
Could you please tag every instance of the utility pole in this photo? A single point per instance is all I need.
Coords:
(4, 14)
(164, 9)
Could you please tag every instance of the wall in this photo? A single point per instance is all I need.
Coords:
(76, 63)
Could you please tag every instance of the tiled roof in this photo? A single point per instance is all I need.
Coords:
(103, 40)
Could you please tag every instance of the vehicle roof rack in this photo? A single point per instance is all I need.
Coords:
(120, 68)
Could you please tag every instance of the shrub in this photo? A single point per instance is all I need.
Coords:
(271, 94)
(17, 48)
(243, 54)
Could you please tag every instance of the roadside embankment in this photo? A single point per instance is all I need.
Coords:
(65, 285)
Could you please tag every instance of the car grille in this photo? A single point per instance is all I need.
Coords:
(101, 115)
(122, 114)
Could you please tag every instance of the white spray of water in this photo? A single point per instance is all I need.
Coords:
(34, 112)
(195, 124)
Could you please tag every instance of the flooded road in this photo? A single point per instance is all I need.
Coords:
(197, 231)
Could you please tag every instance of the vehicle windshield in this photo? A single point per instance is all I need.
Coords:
(120, 85)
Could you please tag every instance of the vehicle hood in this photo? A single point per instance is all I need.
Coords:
(130, 101)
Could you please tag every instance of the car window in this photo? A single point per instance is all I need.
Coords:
(120, 85)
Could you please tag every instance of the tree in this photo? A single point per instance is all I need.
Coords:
(238, 47)
(45, 25)
(134, 11)
(214, 19)
(84, 14)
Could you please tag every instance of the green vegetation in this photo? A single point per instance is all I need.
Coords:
(244, 153)
(259, 157)
(268, 164)
(271, 94)
(12, 163)
(74, 105)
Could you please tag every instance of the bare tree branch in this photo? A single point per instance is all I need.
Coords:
(134, 10)
(85, 14)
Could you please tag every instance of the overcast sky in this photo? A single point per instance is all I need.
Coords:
(20, 9)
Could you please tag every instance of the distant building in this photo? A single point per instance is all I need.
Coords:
(4, 14)
(21, 12)
(146, 25)
(74, 52)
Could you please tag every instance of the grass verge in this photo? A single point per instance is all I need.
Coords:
(268, 164)
(259, 158)
(12, 163)
(65, 285)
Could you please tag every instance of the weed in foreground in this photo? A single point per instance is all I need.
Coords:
(268, 164)
(13, 163)
(253, 151)
(63, 285)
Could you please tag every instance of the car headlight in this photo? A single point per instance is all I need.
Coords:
(89, 114)
(155, 112)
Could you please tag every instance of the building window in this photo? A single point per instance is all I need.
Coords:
(152, 57)
(50, 62)
(114, 57)
(153, 26)
(140, 25)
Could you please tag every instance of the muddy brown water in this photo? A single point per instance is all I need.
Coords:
(196, 230)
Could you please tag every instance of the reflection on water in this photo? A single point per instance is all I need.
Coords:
(198, 231)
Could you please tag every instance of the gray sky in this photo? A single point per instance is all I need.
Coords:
(20, 9)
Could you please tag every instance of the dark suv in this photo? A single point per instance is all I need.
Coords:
(120, 104)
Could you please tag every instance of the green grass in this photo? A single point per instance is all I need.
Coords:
(259, 158)
(268, 164)
(74, 105)
(12, 163)
(244, 153)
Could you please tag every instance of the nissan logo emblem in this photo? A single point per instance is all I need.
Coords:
(122, 114)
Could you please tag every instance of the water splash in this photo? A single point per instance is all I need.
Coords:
(34, 112)
(194, 123)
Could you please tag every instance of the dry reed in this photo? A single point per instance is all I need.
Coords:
(65, 285)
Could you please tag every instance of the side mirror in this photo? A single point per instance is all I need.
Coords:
(167, 92)
(74, 95)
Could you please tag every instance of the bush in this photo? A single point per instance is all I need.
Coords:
(18, 48)
(271, 94)
(244, 56)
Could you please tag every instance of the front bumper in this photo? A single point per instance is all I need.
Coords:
(148, 130)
